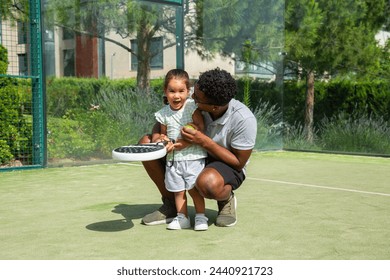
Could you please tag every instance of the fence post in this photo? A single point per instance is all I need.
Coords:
(38, 100)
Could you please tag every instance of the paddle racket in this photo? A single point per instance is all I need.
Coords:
(140, 152)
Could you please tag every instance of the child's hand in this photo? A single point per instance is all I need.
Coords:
(170, 146)
(161, 138)
(157, 137)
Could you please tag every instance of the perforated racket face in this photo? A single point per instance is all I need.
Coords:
(141, 152)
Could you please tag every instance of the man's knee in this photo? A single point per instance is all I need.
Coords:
(146, 139)
(210, 183)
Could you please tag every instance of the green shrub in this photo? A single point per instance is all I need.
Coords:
(259, 91)
(5, 154)
(294, 138)
(269, 126)
(356, 132)
(84, 136)
(71, 93)
(105, 132)
(65, 94)
(67, 139)
(123, 114)
(3, 59)
(120, 118)
(130, 109)
(15, 132)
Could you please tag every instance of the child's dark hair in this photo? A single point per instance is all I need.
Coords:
(177, 74)
(218, 86)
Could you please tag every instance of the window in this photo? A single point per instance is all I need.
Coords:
(67, 34)
(157, 60)
(68, 62)
(22, 61)
(22, 32)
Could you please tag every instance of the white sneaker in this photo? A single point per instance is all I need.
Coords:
(179, 222)
(201, 222)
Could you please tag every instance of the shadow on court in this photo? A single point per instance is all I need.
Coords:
(136, 212)
(128, 212)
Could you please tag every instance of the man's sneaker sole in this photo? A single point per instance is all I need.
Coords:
(164, 215)
(160, 222)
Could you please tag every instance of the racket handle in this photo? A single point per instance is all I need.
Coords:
(166, 141)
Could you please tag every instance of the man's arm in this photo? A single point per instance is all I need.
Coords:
(237, 159)
(197, 123)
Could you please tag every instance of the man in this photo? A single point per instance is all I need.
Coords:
(229, 139)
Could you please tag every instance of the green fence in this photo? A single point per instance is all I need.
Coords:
(22, 103)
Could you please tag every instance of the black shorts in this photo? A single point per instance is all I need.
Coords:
(230, 175)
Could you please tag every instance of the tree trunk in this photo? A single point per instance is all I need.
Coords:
(309, 106)
(143, 69)
(144, 56)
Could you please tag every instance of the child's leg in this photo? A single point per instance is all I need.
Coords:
(200, 217)
(181, 202)
(181, 221)
(199, 202)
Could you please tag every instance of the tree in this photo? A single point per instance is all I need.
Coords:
(235, 28)
(251, 33)
(320, 37)
(128, 18)
(218, 24)
(330, 37)
(13, 9)
(210, 29)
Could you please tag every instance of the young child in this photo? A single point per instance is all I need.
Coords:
(184, 161)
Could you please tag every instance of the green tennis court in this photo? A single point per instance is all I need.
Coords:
(292, 206)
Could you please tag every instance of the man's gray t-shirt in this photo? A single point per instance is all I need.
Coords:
(237, 128)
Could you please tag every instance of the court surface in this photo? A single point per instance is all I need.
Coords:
(302, 206)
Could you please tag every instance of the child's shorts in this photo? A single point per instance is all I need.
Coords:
(182, 175)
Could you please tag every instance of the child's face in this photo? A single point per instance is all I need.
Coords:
(176, 93)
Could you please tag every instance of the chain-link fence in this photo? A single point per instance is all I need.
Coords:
(22, 121)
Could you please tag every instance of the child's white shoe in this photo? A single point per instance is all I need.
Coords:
(201, 222)
(179, 222)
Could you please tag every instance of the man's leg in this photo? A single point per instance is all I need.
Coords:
(217, 181)
(156, 172)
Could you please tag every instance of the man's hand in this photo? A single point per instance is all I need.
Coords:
(192, 134)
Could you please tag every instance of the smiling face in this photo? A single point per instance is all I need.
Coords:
(176, 93)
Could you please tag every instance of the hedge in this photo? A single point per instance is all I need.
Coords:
(64, 94)
(15, 131)
(331, 98)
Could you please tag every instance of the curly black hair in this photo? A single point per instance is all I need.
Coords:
(218, 86)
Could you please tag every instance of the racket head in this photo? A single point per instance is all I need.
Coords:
(139, 152)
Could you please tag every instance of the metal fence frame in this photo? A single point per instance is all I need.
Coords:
(36, 75)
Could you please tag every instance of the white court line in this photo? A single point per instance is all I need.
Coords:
(317, 186)
(297, 184)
